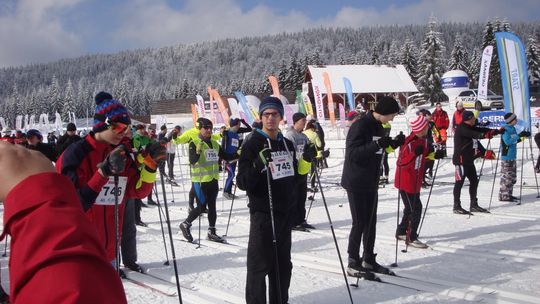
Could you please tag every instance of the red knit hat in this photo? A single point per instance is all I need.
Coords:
(418, 124)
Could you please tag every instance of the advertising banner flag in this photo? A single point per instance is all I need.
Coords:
(329, 98)
(300, 102)
(342, 115)
(275, 86)
(484, 72)
(200, 102)
(348, 90)
(194, 114)
(515, 81)
(222, 109)
(211, 97)
(244, 106)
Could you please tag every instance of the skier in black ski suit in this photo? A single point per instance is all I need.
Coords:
(268, 147)
(464, 156)
(363, 154)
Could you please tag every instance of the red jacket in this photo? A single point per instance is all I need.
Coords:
(56, 255)
(456, 119)
(410, 168)
(79, 162)
(440, 118)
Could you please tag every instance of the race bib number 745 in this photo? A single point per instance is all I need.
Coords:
(281, 165)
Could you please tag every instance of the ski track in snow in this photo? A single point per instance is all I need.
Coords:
(484, 258)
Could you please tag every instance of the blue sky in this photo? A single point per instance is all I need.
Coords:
(45, 30)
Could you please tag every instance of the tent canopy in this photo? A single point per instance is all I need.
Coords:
(364, 78)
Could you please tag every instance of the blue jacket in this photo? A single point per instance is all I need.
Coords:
(509, 141)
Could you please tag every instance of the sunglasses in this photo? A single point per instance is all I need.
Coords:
(118, 127)
(270, 114)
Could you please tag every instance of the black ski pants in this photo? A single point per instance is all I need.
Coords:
(261, 258)
(170, 164)
(462, 172)
(363, 207)
(206, 195)
(129, 234)
(300, 195)
(412, 213)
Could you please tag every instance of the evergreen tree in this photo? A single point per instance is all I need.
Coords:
(54, 97)
(458, 58)
(409, 59)
(533, 60)
(122, 93)
(431, 65)
(69, 101)
(473, 69)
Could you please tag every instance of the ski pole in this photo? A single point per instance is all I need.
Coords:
(116, 221)
(494, 177)
(168, 219)
(230, 211)
(274, 239)
(521, 178)
(311, 199)
(181, 173)
(484, 160)
(334, 236)
(199, 245)
(534, 171)
(395, 264)
(429, 197)
(161, 224)
(5, 247)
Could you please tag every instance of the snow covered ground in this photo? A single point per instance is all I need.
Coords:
(487, 258)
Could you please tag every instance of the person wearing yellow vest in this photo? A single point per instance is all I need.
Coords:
(204, 157)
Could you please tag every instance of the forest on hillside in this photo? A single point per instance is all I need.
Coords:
(140, 77)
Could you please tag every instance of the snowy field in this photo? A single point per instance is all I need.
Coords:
(485, 258)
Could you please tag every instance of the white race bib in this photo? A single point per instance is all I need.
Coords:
(211, 155)
(109, 191)
(281, 165)
(235, 142)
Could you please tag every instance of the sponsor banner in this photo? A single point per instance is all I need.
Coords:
(495, 118)
(484, 72)
(349, 93)
(515, 81)
(289, 112)
(244, 106)
(300, 102)
(342, 115)
(329, 98)
(455, 82)
(319, 105)
(222, 109)
(275, 86)
(200, 103)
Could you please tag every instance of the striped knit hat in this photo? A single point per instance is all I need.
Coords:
(108, 110)
(418, 124)
(509, 117)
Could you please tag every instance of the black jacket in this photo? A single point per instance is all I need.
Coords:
(362, 155)
(253, 180)
(45, 149)
(464, 146)
(64, 141)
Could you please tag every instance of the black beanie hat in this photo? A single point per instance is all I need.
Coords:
(387, 105)
(297, 116)
(271, 102)
(71, 127)
(509, 117)
(203, 122)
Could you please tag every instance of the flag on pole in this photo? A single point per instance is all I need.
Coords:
(515, 82)
(194, 114)
(222, 109)
(275, 86)
(329, 98)
(243, 104)
(348, 90)
(484, 72)
(200, 102)
(342, 115)
(300, 102)
(211, 97)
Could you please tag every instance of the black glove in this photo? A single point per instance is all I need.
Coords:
(157, 152)
(524, 134)
(115, 161)
(264, 158)
(384, 142)
(399, 140)
(439, 154)
(310, 152)
(419, 150)
(326, 153)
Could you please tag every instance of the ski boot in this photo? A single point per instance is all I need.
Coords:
(212, 236)
(186, 231)
(476, 208)
(354, 269)
(369, 264)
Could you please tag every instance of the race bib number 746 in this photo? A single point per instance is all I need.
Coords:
(109, 191)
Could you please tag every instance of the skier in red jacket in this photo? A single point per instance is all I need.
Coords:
(409, 175)
(92, 163)
(56, 254)
(440, 118)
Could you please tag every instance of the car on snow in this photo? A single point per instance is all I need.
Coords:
(469, 98)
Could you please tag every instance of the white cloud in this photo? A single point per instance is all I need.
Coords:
(33, 32)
